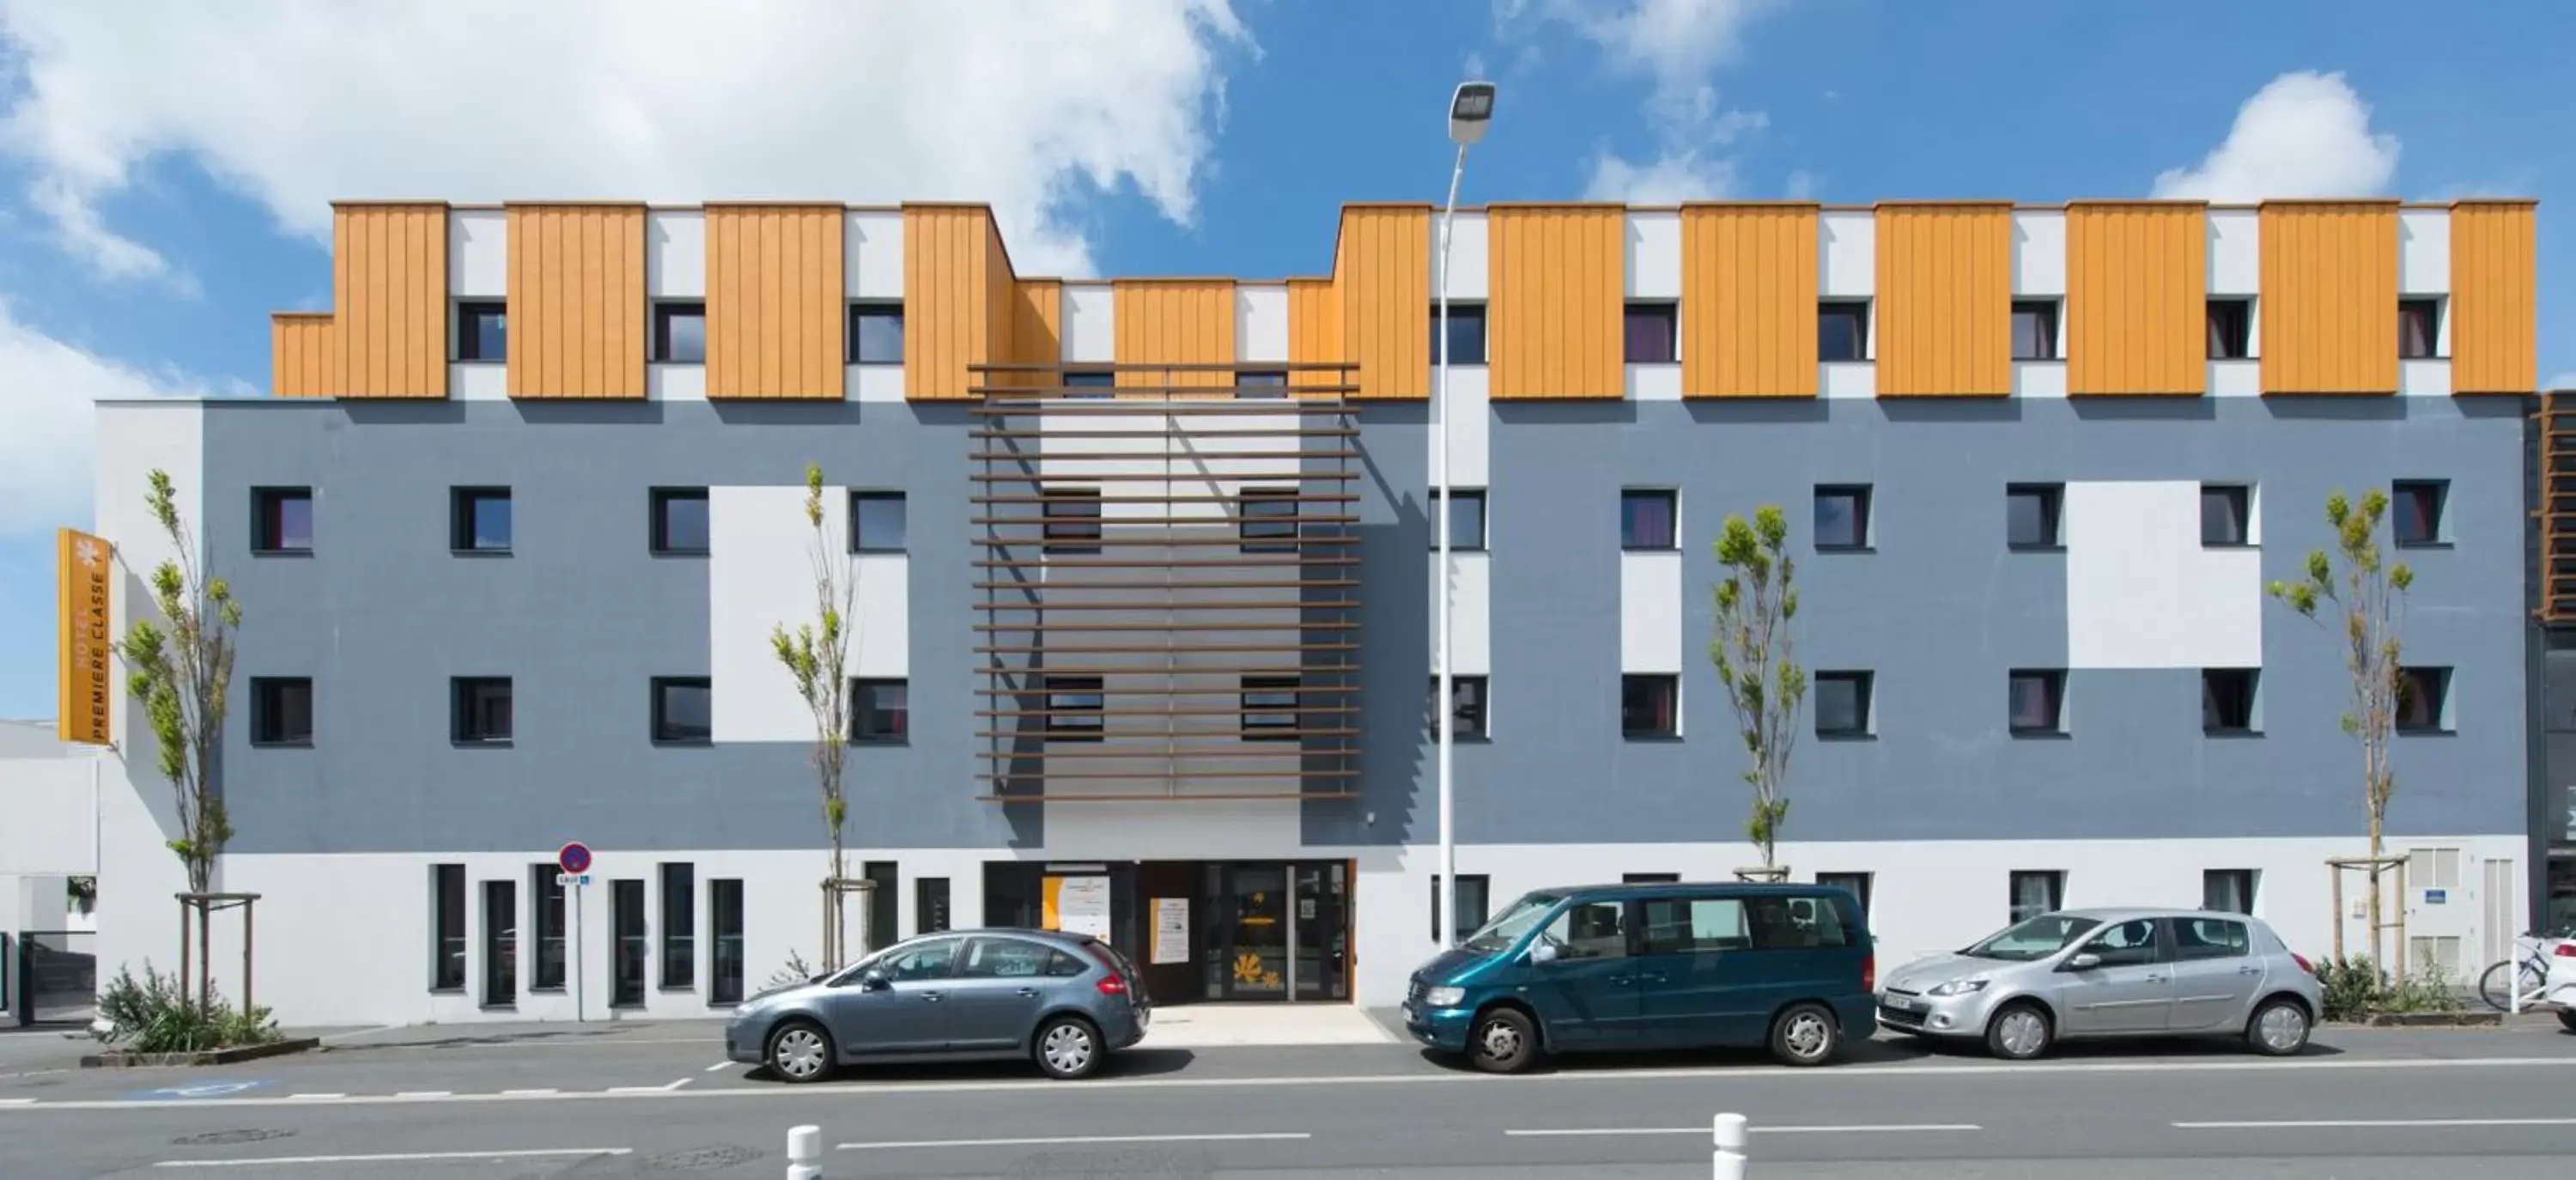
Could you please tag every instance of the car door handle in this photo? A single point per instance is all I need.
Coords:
(1028, 993)
(2155, 979)
(1621, 980)
(1650, 979)
(2249, 969)
(932, 997)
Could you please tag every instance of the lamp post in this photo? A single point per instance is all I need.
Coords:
(1470, 109)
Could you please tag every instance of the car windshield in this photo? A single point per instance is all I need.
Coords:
(1517, 919)
(2037, 938)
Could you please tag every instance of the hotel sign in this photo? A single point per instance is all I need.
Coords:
(85, 696)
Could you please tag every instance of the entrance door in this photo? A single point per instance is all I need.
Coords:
(1322, 950)
(1255, 909)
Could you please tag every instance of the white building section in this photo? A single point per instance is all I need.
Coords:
(2235, 252)
(1847, 379)
(1652, 383)
(1650, 612)
(1471, 428)
(675, 382)
(2143, 592)
(1469, 256)
(1471, 612)
(2424, 252)
(1654, 247)
(478, 381)
(1847, 267)
(1261, 323)
(2039, 378)
(872, 383)
(760, 575)
(1090, 323)
(675, 254)
(2039, 252)
(872, 253)
(478, 254)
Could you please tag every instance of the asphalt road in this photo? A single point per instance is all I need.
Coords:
(644, 1101)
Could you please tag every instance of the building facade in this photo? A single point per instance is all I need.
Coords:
(1143, 583)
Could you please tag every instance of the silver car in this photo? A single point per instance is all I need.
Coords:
(2110, 973)
(1065, 1001)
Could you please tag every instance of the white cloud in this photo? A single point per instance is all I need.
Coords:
(298, 102)
(1676, 46)
(46, 399)
(1669, 179)
(2302, 135)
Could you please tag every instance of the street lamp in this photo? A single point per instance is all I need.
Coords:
(1470, 109)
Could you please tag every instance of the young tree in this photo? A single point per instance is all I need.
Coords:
(2370, 594)
(816, 654)
(1755, 602)
(182, 671)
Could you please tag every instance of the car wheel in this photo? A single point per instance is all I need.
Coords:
(800, 1051)
(1805, 1035)
(2567, 1019)
(1067, 1048)
(1503, 1041)
(2020, 1032)
(2279, 1027)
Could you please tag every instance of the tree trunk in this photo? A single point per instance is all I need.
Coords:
(2371, 907)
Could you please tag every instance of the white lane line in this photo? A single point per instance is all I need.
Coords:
(682, 1082)
(407, 1157)
(424, 1093)
(1072, 1140)
(2327, 1124)
(529, 1093)
(17, 1102)
(310, 1097)
(1857, 1129)
(717, 1066)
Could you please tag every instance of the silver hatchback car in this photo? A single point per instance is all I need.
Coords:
(1065, 1001)
(2110, 973)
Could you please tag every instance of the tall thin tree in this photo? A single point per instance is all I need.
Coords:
(1756, 600)
(816, 655)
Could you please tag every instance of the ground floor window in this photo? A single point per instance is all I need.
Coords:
(679, 926)
(881, 875)
(2036, 893)
(2227, 891)
(1475, 901)
(930, 905)
(447, 928)
(1857, 884)
(724, 920)
(500, 943)
(548, 893)
(631, 950)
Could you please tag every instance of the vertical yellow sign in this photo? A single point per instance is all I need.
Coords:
(85, 696)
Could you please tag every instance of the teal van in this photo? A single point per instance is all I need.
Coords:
(1665, 966)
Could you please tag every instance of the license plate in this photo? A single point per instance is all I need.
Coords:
(1408, 1011)
(1900, 1003)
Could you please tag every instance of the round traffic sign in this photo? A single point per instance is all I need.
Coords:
(574, 858)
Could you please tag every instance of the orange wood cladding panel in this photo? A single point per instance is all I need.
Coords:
(299, 354)
(1748, 308)
(776, 302)
(576, 288)
(1174, 322)
(1037, 331)
(1945, 299)
(2137, 297)
(1554, 303)
(2494, 298)
(1382, 278)
(2329, 297)
(1315, 331)
(948, 285)
(389, 300)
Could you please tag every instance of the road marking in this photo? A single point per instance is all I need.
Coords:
(424, 1094)
(17, 1102)
(528, 1093)
(335, 1038)
(2325, 1124)
(717, 1066)
(1111, 1085)
(682, 1082)
(1863, 1128)
(665, 1088)
(310, 1097)
(1073, 1140)
(407, 1157)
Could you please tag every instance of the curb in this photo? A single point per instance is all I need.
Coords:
(120, 1059)
(2427, 1020)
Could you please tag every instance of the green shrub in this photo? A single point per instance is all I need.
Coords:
(158, 1015)
(2355, 987)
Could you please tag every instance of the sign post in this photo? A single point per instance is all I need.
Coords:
(574, 859)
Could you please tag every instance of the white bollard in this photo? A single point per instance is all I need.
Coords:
(1730, 1147)
(805, 1153)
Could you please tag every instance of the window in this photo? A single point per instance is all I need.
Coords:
(1695, 925)
(480, 708)
(2227, 700)
(1646, 519)
(1262, 383)
(629, 947)
(479, 520)
(929, 905)
(1466, 702)
(1466, 333)
(1590, 930)
(2127, 944)
(877, 522)
(1073, 708)
(2419, 328)
(679, 521)
(2417, 519)
(2227, 891)
(548, 972)
(1651, 330)
(1842, 331)
(1857, 884)
(1072, 521)
(2423, 700)
(2209, 938)
(1267, 520)
(885, 880)
(281, 711)
(2231, 329)
(1466, 520)
(1842, 517)
(1842, 704)
(482, 332)
(1649, 706)
(876, 333)
(500, 943)
(880, 712)
(1012, 958)
(680, 333)
(1475, 892)
(447, 928)
(2036, 893)
(1083, 382)
(929, 960)
(2038, 702)
(281, 520)
(1269, 708)
(683, 710)
(2034, 330)
(2225, 515)
(724, 921)
(2031, 513)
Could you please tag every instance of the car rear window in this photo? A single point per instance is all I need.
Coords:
(1799, 923)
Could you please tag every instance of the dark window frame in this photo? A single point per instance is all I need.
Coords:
(464, 506)
(1460, 498)
(447, 928)
(2229, 702)
(2047, 312)
(666, 313)
(465, 728)
(2230, 334)
(500, 943)
(885, 897)
(469, 344)
(2056, 880)
(2429, 309)
(1480, 884)
(1480, 688)
(2409, 678)
(1261, 384)
(678, 969)
(2238, 502)
(268, 521)
(630, 943)
(859, 542)
(1865, 688)
(1270, 685)
(1664, 685)
(866, 712)
(2436, 517)
(546, 918)
(1465, 316)
(2246, 877)
(1671, 499)
(265, 721)
(658, 523)
(1259, 533)
(1857, 310)
(1075, 722)
(1669, 312)
(664, 733)
(864, 310)
(930, 897)
(724, 926)
(2055, 681)
(1863, 497)
(1070, 534)
(1089, 380)
(1845, 880)
(2051, 500)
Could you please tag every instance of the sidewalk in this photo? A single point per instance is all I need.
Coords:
(1176, 1026)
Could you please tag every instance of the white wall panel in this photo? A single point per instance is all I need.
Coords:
(1650, 612)
(2424, 251)
(881, 635)
(52, 825)
(1471, 607)
(1090, 323)
(675, 254)
(478, 254)
(1468, 257)
(2039, 252)
(2236, 378)
(2235, 252)
(1654, 383)
(1848, 265)
(872, 253)
(2039, 378)
(872, 383)
(1847, 379)
(675, 383)
(478, 381)
(1654, 240)
(2429, 378)
(1470, 434)
(759, 575)
(2141, 590)
(1261, 323)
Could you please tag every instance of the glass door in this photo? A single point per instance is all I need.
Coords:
(1322, 948)
(1256, 928)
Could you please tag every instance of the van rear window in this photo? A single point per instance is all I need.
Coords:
(1701, 925)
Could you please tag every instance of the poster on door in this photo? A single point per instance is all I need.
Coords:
(1082, 905)
(1171, 930)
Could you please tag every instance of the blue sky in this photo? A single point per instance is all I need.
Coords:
(165, 167)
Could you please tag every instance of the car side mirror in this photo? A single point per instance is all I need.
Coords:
(2083, 962)
(873, 980)
(1542, 952)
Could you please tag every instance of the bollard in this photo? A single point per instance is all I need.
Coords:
(805, 1153)
(1730, 1147)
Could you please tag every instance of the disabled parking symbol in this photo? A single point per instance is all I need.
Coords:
(199, 1090)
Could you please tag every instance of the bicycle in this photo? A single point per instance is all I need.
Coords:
(2530, 976)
